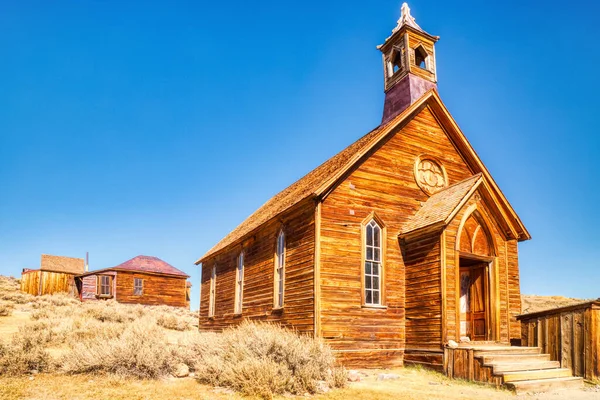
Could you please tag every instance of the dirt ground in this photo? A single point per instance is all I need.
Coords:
(411, 384)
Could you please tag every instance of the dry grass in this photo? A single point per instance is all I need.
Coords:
(6, 309)
(143, 342)
(411, 385)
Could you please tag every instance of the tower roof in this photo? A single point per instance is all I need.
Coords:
(406, 19)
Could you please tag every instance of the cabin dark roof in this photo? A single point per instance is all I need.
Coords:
(147, 264)
(442, 206)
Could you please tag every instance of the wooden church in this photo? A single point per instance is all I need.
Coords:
(395, 246)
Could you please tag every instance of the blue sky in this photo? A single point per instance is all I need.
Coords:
(154, 128)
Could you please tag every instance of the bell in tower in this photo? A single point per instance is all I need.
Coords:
(408, 65)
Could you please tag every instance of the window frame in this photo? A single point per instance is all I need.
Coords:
(135, 286)
(101, 285)
(279, 261)
(212, 292)
(382, 261)
(238, 304)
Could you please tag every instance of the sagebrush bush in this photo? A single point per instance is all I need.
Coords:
(173, 322)
(140, 351)
(6, 309)
(24, 354)
(265, 359)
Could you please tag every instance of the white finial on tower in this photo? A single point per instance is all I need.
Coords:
(406, 18)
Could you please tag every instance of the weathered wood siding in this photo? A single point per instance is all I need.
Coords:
(157, 289)
(514, 290)
(39, 282)
(383, 183)
(30, 282)
(570, 335)
(259, 250)
(423, 296)
(89, 287)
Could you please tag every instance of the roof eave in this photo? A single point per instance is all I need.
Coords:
(253, 231)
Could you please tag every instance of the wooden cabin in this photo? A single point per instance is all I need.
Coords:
(55, 275)
(141, 280)
(398, 244)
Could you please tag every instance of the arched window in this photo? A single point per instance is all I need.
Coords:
(421, 57)
(279, 270)
(212, 292)
(373, 268)
(474, 237)
(239, 284)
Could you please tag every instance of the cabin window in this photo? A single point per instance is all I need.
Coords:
(421, 57)
(373, 267)
(138, 286)
(239, 284)
(211, 295)
(105, 287)
(279, 270)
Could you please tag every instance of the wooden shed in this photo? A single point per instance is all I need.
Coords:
(56, 275)
(141, 280)
(570, 335)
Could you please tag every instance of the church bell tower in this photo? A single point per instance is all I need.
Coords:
(409, 65)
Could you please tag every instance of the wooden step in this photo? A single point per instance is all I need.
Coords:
(490, 351)
(536, 374)
(545, 385)
(501, 367)
(514, 358)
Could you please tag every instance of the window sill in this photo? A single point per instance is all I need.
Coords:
(211, 318)
(374, 306)
(237, 315)
(277, 310)
(104, 296)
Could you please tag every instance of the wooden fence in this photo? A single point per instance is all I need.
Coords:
(570, 335)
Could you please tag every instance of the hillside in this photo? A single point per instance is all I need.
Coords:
(533, 303)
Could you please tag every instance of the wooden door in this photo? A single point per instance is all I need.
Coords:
(473, 302)
(478, 290)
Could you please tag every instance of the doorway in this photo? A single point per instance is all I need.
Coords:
(474, 297)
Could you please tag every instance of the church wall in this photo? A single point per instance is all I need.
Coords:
(383, 183)
(259, 275)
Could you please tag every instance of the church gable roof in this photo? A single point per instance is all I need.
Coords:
(321, 180)
(441, 207)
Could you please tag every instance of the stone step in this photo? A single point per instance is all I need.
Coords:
(501, 367)
(514, 358)
(490, 351)
(545, 385)
(536, 374)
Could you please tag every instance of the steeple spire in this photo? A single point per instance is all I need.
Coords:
(406, 19)
(409, 64)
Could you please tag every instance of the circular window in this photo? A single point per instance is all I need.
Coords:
(430, 175)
